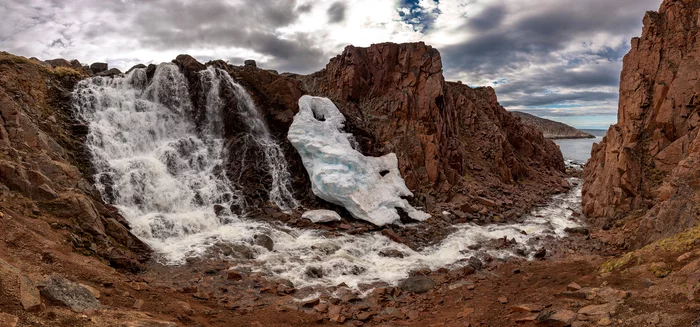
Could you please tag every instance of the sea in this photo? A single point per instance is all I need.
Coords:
(579, 150)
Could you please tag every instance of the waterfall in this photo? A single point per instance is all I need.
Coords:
(151, 163)
(166, 176)
(280, 190)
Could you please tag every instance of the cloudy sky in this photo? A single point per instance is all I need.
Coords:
(556, 59)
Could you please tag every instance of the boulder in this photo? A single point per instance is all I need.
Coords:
(137, 66)
(417, 284)
(109, 73)
(264, 241)
(98, 67)
(60, 290)
(250, 63)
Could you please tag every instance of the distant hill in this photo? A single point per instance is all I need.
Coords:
(552, 129)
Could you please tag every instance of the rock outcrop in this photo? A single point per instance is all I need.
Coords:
(43, 161)
(647, 164)
(551, 129)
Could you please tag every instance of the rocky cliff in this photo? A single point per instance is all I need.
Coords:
(551, 129)
(43, 162)
(646, 166)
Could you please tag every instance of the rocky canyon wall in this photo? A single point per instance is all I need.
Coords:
(647, 165)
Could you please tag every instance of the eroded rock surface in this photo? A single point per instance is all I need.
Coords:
(647, 163)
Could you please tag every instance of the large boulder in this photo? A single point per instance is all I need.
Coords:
(59, 290)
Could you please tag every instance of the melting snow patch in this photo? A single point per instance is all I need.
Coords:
(321, 216)
(370, 188)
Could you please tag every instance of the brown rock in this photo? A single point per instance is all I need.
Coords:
(29, 294)
(573, 286)
(8, 320)
(557, 318)
(526, 308)
(654, 144)
(138, 304)
(503, 300)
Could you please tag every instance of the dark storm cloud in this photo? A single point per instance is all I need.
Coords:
(530, 53)
(336, 12)
(168, 24)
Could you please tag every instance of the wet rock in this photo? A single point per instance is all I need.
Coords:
(314, 272)
(577, 230)
(188, 63)
(250, 63)
(234, 275)
(264, 241)
(64, 292)
(391, 253)
(417, 284)
(541, 253)
(475, 263)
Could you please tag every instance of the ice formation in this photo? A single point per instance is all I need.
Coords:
(321, 216)
(370, 188)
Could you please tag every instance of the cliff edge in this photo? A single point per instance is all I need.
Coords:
(646, 166)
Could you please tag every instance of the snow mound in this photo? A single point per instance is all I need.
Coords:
(321, 216)
(370, 188)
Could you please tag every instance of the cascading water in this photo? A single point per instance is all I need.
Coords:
(280, 191)
(152, 165)
(166, 177)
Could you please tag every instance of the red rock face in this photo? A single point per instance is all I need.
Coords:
(647, 163)
(441, 131)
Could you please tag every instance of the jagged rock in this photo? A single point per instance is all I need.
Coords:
(648, 161)
(64, 292)
(250, 63)
(98, 67)
(417, 284)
